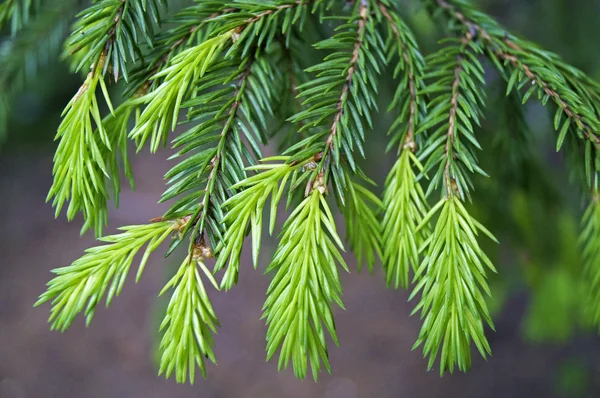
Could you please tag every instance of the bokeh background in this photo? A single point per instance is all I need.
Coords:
(541, 347)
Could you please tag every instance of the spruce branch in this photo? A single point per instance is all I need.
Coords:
(451, 277)
(409, 103)
(244, 210)
(452, 283)
(339, 100)
(452, 115)
(405, 208)
(104, 38)
(110, 28)
(404, 202)
(189, 321)
(191, 26)
(238, 101)
(102, 270)
(80, 161)
(242, 75)
(541, 72)
(163, 103)
(298, 304)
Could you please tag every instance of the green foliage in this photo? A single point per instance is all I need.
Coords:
(110, 29)
(452, 116)
(245, 208)
(188, 323)
(82, 285)
(81, 159)
(339, 100)
(36, 46)
(298, 305)
(243, 74)
(452, 283)
(163, 103)
(236, 101)
(405, 207)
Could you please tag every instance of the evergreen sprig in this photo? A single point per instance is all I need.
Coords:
(541, 73)
(81, 159)
(298, 305)
(110, 29)
(162, 110)
(245, 209)
(82, 285)
(104, 37)
(189, 321)
(241, 74)
(451, 277)
(404, 202)
(405, 208)
(452, 284)
(409, 100)
(338, 102)
(452, 115)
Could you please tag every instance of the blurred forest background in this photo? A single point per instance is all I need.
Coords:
(540, 347)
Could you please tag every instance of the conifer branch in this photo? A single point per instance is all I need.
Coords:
(104, 37)
(81, 286)
(239, 73)
(543, 70)
(189, 321)
(339, 100)
(216, 163)
(109, 29)
(404, 202)
(402, 44)
(351, 68)
(452, 114)
(80, 161)
(218, 155)
(244, 210)
(451, 277)
(452, 282)
(160, 114)
(191, 25)
(405, 208)
(299, 298)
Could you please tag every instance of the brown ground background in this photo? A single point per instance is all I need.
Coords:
(114, 357)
